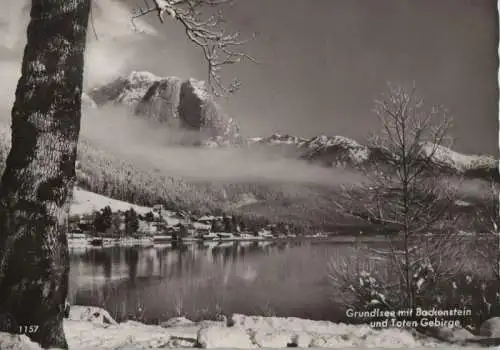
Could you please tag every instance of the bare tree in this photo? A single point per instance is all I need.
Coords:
(38, 179)
(205, 29)
(405, 192)
(487, 220)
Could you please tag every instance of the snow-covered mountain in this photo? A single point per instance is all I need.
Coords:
(187, 105)
(342, 151)
(183, 104)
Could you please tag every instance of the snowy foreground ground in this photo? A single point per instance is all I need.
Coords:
(93, 328)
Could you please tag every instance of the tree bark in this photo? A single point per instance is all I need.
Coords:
(36, 186)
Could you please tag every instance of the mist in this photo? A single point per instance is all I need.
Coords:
(150, 144)
(147, 142)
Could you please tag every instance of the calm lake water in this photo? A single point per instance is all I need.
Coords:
(201, 280)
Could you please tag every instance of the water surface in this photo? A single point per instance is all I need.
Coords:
(202, 280)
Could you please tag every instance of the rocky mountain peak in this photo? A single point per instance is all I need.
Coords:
(184, 104)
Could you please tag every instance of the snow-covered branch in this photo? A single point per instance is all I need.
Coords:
(207, 32)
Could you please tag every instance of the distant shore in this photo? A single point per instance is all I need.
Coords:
(150, 242)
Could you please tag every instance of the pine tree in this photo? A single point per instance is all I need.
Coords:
(227, 224)
(131, 222)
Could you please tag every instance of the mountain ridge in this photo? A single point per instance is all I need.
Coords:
(341, 151)
(186, 104)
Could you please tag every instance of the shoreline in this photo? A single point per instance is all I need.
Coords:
(149, 242)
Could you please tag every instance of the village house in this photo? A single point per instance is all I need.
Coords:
(147, 228)
(86, 223)
(158, 208)
(202, 227)
(207, 219)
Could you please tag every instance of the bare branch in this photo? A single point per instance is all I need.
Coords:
(206, 31)
(404, 191)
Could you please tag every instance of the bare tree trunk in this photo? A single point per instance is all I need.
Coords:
(40, 172)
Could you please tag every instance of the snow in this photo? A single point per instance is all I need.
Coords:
(200, 88)
(245, 199)
(139, 77)
(201, 226)
(358, 153)
(272, 331)
(90, 314)
(85, 202)
(177, 322)
(491, 327)
(135, 86)
(93, 328)
(284, 139)
(458, 161)
(16, 342)
(207, 218)
(224, 337)
(255, 139)
(462, 203)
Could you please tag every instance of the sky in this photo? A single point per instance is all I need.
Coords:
(323, 62)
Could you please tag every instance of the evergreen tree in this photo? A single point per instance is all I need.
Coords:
(243, 226)
(117, 223)
(149, 217)
(107, 216)
(103, 220)
(217, 226)
(98, 223)
(131, 222)
(183, 231)
(227, 224)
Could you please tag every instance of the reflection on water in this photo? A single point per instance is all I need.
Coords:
(200, 280)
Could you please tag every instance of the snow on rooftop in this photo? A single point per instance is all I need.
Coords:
(207, 218)
(255, 139)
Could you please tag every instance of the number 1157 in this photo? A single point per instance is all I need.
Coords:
(28, 329)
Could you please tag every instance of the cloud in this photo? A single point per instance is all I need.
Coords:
(148, 143)
(9, 74)
(13, 21)
(107, 55)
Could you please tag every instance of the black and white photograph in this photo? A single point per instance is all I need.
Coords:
(249, 174)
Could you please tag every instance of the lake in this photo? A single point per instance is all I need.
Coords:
(202, 280)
